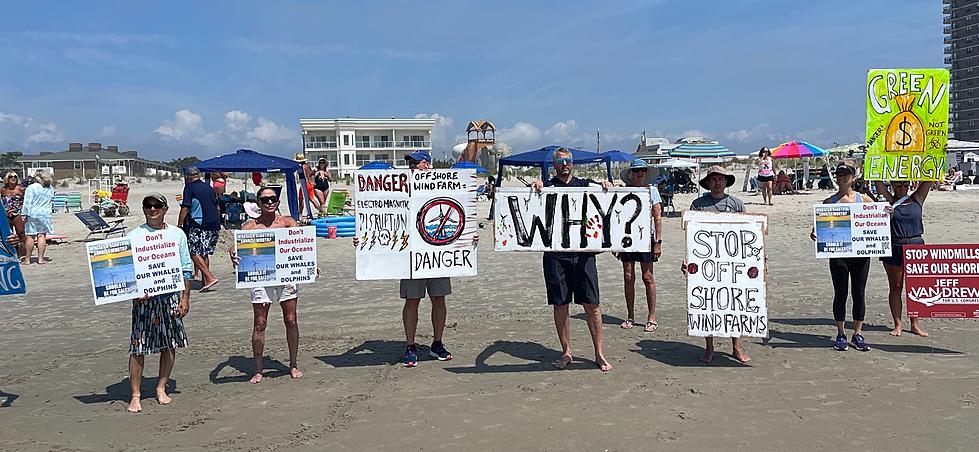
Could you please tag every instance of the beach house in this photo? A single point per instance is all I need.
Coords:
(349, 143)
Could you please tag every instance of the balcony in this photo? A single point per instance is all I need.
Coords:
(947, 19)
(413, 144)
(393, 144)
(321, 145)
(947, 39)
(947, 29)
(946, 2)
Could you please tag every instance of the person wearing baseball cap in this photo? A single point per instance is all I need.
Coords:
(200, 215)
(157, 320)
(638, 174)
(717, 179)
(844, 270)
(419, 156)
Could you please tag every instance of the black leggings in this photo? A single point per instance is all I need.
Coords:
(854, 269)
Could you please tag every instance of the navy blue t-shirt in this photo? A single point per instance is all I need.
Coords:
(573, 182)
(200, 199)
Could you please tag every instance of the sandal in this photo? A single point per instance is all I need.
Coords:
(628, 324)
(650, 327)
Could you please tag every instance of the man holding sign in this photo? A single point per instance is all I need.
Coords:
(158, 319)
(570, 275)
(263, 297)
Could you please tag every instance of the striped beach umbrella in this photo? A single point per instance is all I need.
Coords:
(797, 149)
(700, 150)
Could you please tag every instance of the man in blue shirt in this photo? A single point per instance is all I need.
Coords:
(200, 215)
(572, 275)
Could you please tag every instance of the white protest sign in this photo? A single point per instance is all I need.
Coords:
(726, 279)
(127, 268)
(273, 257)
(714, 217)
(852, 230)
(573, 219)
(415, 224)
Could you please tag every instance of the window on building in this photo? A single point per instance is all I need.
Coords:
(346, 140)
(346, 157)
(381, 157)
(79, 164)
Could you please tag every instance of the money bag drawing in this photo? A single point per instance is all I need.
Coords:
(905, 132)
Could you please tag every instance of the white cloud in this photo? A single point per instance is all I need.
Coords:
(255, 45)
(185, 124)
(693, 133)
(23, 131)
(238, 130)
(442, 138)
(562, 131)
(98, 38)
(521, 134)
(108, 131)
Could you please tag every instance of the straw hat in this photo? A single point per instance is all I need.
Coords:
(300, 157)
(716, 169)
(637, 164)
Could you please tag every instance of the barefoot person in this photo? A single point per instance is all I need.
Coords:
(37, 215)
(766, 174)
(848, 270)
(907, 228)
(263, 297)
(638, 175)
(199, 213)
(717, 180)
(158, 325)
(572, 275)
(13, 203)
(413, 290)
(321, 184)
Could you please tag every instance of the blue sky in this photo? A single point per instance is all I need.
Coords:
(204, 78)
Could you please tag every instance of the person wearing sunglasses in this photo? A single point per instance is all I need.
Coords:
(200, 215)
(13, 202)
(574, 275)
(157, 325)
(639, 175)
(262, 297)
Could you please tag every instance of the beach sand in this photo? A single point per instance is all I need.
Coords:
(63, 377)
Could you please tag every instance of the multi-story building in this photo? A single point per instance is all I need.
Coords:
(349, 143)
(962, 55)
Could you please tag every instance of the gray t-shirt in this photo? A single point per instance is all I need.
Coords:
(726, 204)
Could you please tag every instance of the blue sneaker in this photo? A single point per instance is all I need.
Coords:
(840, 343)
(439, 352)
(411, 357)
(859, 343)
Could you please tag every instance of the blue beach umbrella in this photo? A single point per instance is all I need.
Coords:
(469, 165)
(616, 155)
(377, 165)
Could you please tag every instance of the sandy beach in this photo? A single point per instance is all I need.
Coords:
(64, 384)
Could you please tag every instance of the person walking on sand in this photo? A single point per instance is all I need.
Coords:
(907, 228)
(572, 275)
(766, 174)
(13, 203)
(158, 325)
(638, 175)
(413, 290)
(716, 181)
(262, 297)
(844, 270)
(199, 213)
(37, 215)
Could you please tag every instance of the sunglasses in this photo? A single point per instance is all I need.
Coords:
(268, 199)
(564, 160)
(151, 206)
(639, 170)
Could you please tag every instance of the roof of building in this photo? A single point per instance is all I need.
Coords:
(86, 155)
(362, 123)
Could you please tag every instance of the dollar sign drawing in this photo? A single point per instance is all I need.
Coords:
(906, 140)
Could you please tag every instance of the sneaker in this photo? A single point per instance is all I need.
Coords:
(411, 357)
(840, 343)
(859, 343)
(439, 352)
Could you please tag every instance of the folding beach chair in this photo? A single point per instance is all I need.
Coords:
(60, 201)
(337, 201)
(97, 225)
(74, 200)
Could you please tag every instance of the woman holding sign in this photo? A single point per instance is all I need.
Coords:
(906, 229)
(637, 175)
(844, 270)
(158, 325)
(262, 297)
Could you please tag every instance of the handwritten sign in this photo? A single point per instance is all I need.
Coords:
(726, 278)
(273, 257)
(573, 219)
(11, 279)
(942, 280)
(127, 268)
(907, 124)
(415, 224)
(852, 230)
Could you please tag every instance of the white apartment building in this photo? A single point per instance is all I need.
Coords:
(349, 143)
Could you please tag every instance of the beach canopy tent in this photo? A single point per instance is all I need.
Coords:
(377, 165)
(544, 156)
(701, 150)
(616, 155)
(249, 161)
(469, 165)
